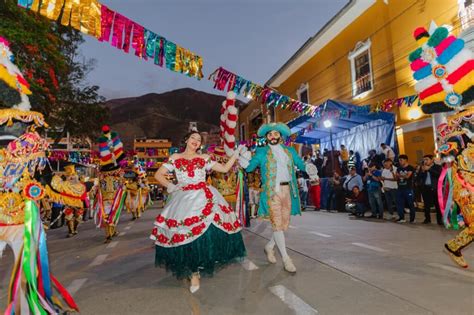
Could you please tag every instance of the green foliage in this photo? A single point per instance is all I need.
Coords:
(48, 55)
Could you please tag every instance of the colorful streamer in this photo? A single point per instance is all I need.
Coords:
(240, 203)
(32, 267)
(95, 19)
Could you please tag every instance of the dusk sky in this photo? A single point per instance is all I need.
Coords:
(252, 38)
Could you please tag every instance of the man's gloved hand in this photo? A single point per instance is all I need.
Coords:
(244, 156)
(243, 162)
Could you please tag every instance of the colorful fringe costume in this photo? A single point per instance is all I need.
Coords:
(31, 284)
(444, 68)
(110, 198)
(456, 185)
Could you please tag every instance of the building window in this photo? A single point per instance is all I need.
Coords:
(303, 93)
(361, 70)
(242, 132)
(466, 13)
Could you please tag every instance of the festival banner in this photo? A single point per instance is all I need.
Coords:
(96, 19)
(226, 80)
(388, 104)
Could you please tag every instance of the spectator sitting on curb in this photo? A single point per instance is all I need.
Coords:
(355, 204)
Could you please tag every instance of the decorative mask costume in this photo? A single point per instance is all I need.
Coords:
(136, 192)
(76, 193)
(444, 69)
(31, 284)
(225, 183)
(111, 196)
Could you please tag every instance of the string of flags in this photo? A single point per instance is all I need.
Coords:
(388, 104)
(96, 19)
(225, 80)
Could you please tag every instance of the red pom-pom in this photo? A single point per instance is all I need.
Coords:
(105, 128)
(420, 32)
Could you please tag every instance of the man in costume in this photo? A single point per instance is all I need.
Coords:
(68, 191)
(111, 193)
(31, 283)
(73, 215)
(457, 179)
(135, 191)
(279, 197)
(444, 69)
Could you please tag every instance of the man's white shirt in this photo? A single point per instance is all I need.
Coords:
(282, 160)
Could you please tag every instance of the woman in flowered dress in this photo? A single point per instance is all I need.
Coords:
(197, 231)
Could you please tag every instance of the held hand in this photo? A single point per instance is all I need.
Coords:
(243, 162)
(240, 149)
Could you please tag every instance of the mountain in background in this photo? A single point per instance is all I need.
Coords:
(165, 115)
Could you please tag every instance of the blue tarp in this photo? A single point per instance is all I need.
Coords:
(359, 131)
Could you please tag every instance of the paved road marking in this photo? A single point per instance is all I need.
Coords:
(320, 234)
(98, 260)
(292, 300)
(122, 233)
(76, 285)
(292, 227)
(112, 244)
(377, 249)
(248, 265)
(127, 228)
(453, 269)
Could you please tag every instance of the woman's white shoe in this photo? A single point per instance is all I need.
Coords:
(195, 282)
(193, 288)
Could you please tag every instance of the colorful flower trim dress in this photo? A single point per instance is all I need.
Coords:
(197, 230)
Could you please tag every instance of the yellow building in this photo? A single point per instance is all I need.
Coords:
(152, 150)
(361, 57)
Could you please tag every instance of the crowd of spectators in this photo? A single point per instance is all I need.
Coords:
(381, 183)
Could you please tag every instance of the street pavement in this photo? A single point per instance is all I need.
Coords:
(345, 266)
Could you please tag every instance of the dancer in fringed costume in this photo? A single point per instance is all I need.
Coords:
(135, 191)
(111, 194)
(456, 184)
(31, 284)
(197, 231)
(444, 70)
(71, 193)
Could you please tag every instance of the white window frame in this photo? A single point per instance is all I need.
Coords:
(360, 48)
(303, 87)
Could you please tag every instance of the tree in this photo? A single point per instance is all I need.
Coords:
(48, 54)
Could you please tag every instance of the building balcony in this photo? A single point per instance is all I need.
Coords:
(466, 15)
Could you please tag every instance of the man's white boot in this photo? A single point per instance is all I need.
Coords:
(270, 252)
(289, 266)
